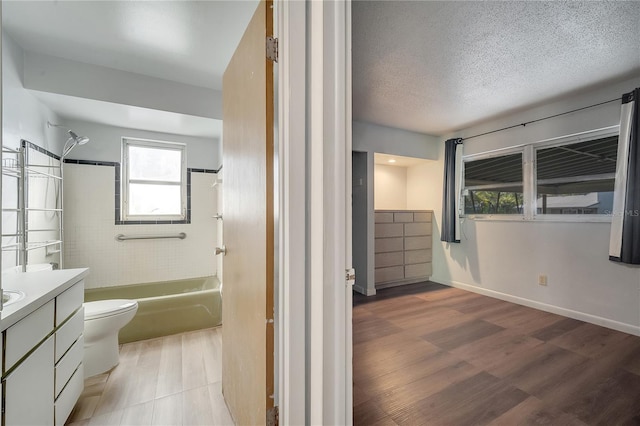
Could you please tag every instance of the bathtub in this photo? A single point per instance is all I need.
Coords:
(167, 307)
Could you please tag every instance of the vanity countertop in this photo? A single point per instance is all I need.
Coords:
(39, 288)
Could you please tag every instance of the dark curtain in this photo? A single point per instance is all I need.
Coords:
(450, 194)
(624, 245)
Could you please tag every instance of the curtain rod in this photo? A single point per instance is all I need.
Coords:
(541, 119)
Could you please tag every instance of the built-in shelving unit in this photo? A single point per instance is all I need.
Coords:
(402, 247)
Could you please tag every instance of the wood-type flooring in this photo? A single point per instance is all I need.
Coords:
(172, 380)
(427, 354)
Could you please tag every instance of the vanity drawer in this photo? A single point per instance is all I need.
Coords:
(69, 396)
(68, 364)
(69, 333)
(27, 333)
(68, 301)
(28, 396)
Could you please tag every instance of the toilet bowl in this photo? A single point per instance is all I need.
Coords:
(103, 319)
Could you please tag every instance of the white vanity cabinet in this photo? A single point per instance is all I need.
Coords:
(69, 351)
(42, 375)
(28, 387)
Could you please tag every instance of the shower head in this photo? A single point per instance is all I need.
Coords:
(73, 141)
(80, 140)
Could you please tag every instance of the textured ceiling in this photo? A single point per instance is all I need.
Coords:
(185, 41)
(435, 67)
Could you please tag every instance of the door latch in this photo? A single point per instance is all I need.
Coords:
(350, 276)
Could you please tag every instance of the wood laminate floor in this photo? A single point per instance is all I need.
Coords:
(172, 380)
(427, 354)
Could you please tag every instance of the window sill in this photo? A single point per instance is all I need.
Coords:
(154, 222)
(543, 219)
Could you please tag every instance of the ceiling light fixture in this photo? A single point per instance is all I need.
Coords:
(391, 160)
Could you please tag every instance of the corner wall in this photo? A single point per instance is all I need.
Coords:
(503, 259)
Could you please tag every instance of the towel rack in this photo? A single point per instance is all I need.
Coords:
(122, 237)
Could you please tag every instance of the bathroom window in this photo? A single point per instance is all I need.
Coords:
(154, 180)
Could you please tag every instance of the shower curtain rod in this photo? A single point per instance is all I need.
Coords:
(541, 119)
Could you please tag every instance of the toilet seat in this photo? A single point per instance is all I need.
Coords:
(106, 308)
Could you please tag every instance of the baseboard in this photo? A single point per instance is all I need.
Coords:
(390, 284)
(365, 291)
(582, 316)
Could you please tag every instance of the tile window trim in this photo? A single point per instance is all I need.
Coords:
(117, 181)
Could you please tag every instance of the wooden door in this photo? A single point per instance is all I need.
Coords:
(248, 163)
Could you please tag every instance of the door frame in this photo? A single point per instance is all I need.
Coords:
(314, 181)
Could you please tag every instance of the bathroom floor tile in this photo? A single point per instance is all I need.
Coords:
(170, 380)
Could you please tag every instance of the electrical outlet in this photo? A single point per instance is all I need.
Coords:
(542, 280)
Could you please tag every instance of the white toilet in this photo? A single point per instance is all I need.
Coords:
(103, 319)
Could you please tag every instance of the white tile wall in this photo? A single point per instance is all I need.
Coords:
(90, 232)
(44, 192)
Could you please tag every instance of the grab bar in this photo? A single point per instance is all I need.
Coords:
(122, 237)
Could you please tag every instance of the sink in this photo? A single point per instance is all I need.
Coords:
(11, 296)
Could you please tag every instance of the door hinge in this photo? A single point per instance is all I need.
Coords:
(273, 416)
(350, 276)
(272, 49)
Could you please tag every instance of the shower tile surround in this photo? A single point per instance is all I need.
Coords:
(92, 197)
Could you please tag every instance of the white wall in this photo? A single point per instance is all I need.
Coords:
(23, 117)
(369, 137)
(106, 143)
(504, 259)
(390, 183)
(90, 232)
(66, 77)
(420, 187)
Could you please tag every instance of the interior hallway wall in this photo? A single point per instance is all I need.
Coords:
(504, 259)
